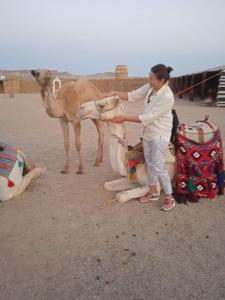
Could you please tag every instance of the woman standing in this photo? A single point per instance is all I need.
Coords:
(157, 120)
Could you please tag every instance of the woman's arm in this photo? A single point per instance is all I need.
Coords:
(124, 118)
(133, 96)
(121, 95)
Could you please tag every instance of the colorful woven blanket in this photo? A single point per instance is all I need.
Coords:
(199, 167)
(200, 131)
(8, 157)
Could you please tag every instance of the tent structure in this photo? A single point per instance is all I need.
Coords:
(220, 99)
(200, 84)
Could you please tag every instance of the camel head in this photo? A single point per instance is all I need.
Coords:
(42, 76)
(101, 109)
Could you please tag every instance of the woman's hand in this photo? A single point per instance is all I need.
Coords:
(117, 119)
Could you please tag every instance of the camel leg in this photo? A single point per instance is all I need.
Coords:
(26, 180)
(77, 130)
(99, 157)
(119, 184)
(65, 128)
(125, 196)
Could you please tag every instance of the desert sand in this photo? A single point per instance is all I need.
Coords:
(57, 243)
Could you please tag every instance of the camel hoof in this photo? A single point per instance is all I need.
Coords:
(79, 172)
(96, 164)
(64, 171)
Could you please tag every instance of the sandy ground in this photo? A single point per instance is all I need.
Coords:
(56, 243)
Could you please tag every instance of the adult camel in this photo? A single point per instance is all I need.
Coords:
(107, 108)
(65, 106)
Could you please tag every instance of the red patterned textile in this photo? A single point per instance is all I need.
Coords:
(200, 167)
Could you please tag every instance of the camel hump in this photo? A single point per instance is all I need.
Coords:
(81, 85)
(77, 92)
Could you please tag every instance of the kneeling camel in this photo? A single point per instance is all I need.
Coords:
(15, 172)
(107, 108)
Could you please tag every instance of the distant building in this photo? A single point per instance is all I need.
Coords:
(121, 72)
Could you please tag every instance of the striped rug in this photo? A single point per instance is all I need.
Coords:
(8, 157)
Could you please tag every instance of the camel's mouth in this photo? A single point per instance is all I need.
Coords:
(100, 109)
(84, 113)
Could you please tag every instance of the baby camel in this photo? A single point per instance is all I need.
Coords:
(65, 106)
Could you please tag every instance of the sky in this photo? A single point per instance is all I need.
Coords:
(86, 37)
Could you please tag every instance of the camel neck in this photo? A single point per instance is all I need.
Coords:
(118, 147)
(54, 107)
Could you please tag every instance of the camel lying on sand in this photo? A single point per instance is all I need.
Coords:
(108, 108)
(15, 172)
(200, 132)
(65, 106)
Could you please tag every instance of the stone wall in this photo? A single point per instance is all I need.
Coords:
(12, 86)
(29, 87)
(105, 85)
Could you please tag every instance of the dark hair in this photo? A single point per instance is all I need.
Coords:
(161, 71)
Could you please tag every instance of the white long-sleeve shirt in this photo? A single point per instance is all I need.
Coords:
(157, 118)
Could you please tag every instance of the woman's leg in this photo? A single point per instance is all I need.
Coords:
(155, 155)
(149, 154)
(164, 178)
